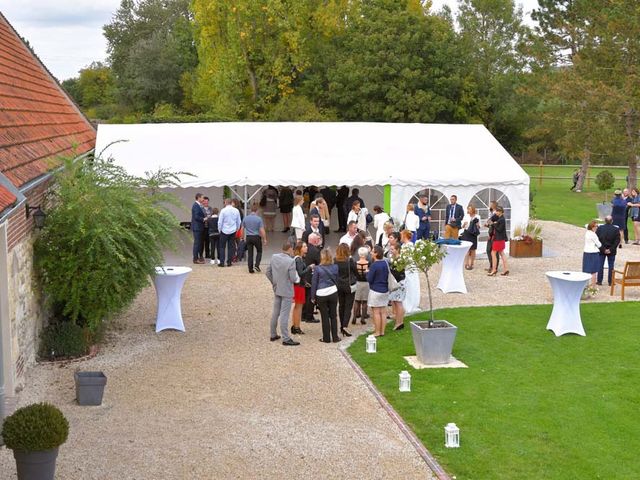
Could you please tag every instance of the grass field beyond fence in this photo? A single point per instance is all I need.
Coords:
(553, 200)
(530, 405)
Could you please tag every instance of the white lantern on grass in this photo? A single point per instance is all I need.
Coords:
(451, 436)
(371, 344)
(405, 381)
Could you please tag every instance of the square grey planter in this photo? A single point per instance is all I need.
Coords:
(433, 345)
(604, 209)
(90, 387)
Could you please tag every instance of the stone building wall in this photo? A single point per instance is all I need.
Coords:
(27, 313)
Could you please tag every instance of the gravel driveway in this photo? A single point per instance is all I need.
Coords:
(221, 401)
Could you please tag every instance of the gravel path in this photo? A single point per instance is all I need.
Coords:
(221, 401)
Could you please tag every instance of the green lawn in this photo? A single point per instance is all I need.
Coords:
(530, 405)
(554, 201)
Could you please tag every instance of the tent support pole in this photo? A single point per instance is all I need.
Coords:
(246, 200)
(387, 199)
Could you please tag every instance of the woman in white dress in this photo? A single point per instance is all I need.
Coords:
(411, 302)
(297, 217)
(411, 221)
(380, 217)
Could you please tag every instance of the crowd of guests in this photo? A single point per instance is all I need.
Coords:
(345, 281)
(601, 242)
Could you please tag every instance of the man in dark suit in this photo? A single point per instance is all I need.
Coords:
(355, 195)
(314, 227)
(329, 195)
(311, 258)
(609, 236)
(453, 215)
(197, 227)
(341, 198)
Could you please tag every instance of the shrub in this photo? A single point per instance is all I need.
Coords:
(34, 428)
(64, 340)
(103, 238)
(605, 181)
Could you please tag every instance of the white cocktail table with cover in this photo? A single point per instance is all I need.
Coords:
(452, 274)
(168, 282)
(567, 289)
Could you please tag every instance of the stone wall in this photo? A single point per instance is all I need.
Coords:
(27, 313)
(26, 308)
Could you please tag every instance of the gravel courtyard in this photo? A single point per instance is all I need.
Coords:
(221, 401)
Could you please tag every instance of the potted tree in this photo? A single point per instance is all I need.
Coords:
(433, 339)
(604, 181)
(34, 433)
(527, 241)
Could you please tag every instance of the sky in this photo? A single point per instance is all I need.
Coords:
(67, 34)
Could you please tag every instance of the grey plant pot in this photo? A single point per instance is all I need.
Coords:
(604, 209)
(433, 345)
(36, 465)
(90, 387)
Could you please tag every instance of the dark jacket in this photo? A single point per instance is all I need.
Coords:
(312, 257)
(308, 231)
(348, 203)
(343, 193)
(609, 236)
(347, 275)
(329, 194)
(500, 229)
(378, 276)
(458, 215)
(304, 271)
(197, 217)
(324, 276)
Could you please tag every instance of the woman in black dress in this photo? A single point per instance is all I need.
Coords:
(346, 286)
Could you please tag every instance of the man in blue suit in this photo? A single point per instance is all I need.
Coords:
(453, 215)
(197, 227)
(423, 212)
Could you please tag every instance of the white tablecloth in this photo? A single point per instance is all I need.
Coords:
(411, 302)
(452, 275)
(567, 289)
(168, 282)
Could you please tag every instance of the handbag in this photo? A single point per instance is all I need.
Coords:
(474, 229)
(391, 281)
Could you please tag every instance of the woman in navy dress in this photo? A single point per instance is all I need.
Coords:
(619, 213)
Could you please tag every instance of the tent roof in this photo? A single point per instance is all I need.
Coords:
(261, 153)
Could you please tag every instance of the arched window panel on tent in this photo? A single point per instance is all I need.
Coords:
(483, 199)
(438, 202)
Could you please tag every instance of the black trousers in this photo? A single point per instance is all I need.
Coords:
(254, 241)
(328, 313)
(206, 243)
(626, 228)
(214, 241)
(342, 217)
(227, 242)
(345, 305)
(308, 307)
(611, 260)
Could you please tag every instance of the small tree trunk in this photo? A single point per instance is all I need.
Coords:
(584, 168)
(426, 274)
(631, 128)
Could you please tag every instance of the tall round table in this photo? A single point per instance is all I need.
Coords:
(452, 274)
(168, 282)
(567, 289)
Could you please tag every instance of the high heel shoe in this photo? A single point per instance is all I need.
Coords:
(505, 273)
(344, 332)
(398, 327)
(492, 274)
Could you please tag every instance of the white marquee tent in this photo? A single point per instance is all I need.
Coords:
(448, 159)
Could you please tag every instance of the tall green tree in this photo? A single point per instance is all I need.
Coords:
(253, 53)
(398, 63)
(493, 40)
(151, 50)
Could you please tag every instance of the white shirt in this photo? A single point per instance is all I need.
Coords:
(348, 239)
(411, 221)
(360, 218)
(379, 220)
(591, 242)
(466, 221)
(297, 218)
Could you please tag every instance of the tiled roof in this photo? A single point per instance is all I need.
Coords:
(6, 197)
(38, 121)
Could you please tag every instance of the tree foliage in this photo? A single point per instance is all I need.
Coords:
(104, 236)
(151, 49)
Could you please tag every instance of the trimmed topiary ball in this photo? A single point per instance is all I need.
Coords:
(35, 428)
